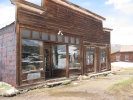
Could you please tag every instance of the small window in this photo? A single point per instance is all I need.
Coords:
(25, 33)
(59, 38)
(126, 57)
(77, 40)
(117, 58)
(72, 40)
(66, 39)
(44, 36)
(35, 35)
(52, 37)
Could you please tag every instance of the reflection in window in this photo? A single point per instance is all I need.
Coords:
(32, 58)
(59, 56)
(103, 55)
(90, 55)
(74, 56)
(25, 33)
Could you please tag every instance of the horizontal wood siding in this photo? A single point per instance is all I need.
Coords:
(69, 21)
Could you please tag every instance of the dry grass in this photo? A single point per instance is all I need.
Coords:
(122, 89)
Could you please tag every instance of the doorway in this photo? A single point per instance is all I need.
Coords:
(55, 60)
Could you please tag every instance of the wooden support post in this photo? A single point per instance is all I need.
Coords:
(98, 60)
(81, 58)
(67, 61)
(18, 51)
(84, 60)
(97, 64)
(43, 3)
(109, 57)
(44, 61)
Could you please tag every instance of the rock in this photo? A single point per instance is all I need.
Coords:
(75, 83)
(7, 90)
(85, 77)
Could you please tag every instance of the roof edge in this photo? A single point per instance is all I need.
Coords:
(79, 9)
(107, 29)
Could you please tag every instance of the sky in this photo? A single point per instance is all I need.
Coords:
(118, 14)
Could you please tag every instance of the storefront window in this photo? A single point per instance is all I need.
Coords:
(74, 56)
(59, 56)
(90, 55)
(32, 58)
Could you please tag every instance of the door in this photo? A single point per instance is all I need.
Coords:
(47, 52)
(89, 59)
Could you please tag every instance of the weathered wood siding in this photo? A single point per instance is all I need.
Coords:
(8, 54)
(69, 21)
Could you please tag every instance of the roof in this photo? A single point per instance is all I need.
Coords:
(126, 48)
(79, 9)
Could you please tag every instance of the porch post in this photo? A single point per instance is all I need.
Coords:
(67, 61)
(97, 65)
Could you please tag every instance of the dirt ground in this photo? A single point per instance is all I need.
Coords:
(92, 89)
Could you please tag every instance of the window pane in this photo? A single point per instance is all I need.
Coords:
(74, 56)
(59, 56)
(66, 39)
(44, 36)
(77, 41)
(25, 33)
(35, 35)
(59, 38)
(72, 40)
(52, 37)
(32, 58)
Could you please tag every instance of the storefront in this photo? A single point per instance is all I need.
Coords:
(55, 40)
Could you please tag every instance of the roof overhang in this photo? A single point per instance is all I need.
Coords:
(79, 9)
(107, 29)
(29, 6)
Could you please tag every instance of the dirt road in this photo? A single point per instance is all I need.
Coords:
(92, 89)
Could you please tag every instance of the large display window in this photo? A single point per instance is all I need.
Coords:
(32, 57)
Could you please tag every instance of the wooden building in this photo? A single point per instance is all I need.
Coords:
(125, 54)
(56, 39)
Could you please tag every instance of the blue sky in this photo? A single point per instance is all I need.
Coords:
(118, 14)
